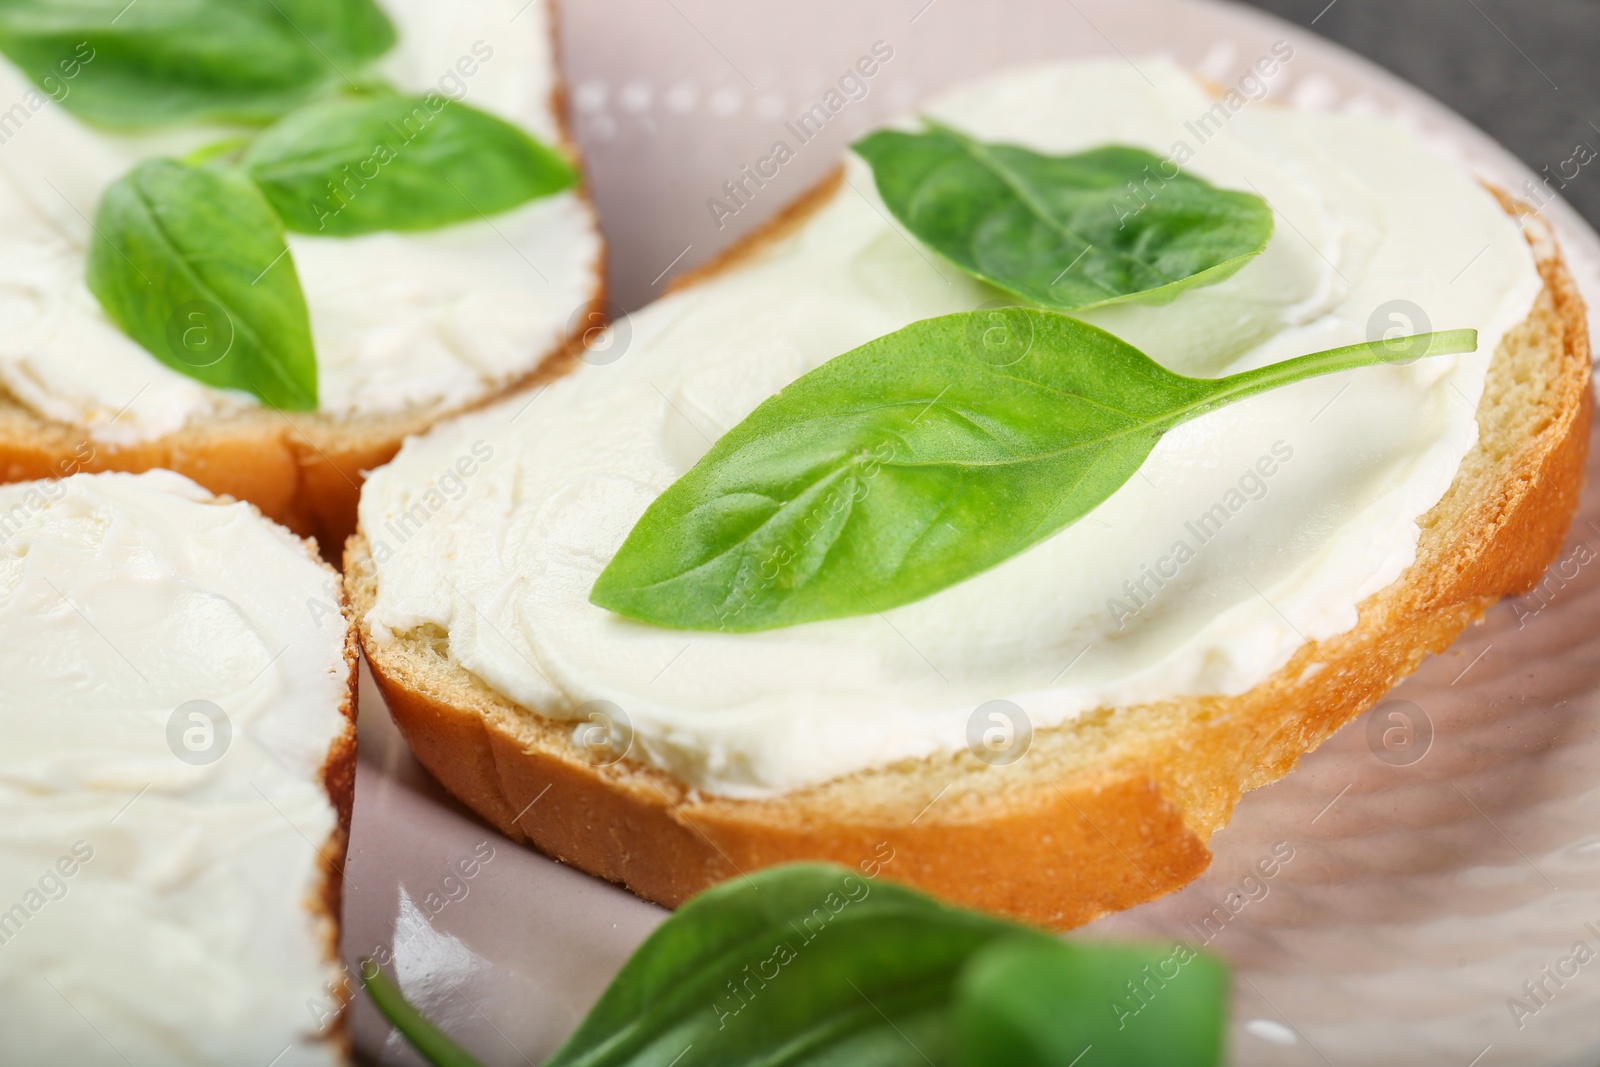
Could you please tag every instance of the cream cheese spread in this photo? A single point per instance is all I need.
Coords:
(400, 321)
(169, 690)
(1246, 533)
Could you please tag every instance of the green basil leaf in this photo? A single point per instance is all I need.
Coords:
(801, 965)
(919, 460)
(359, 165)
(1029, 1004)
(1065, 232)
(164, 61)
(191, 263)
(432, 1043)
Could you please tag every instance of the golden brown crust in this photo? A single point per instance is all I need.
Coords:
(303, 470)
(1104, 812)
(338, 775)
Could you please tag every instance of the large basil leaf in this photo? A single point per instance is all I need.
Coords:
(362, 164)
(162, 61)
(191, 263)
(815, 966)
(1026, 1004)
(916, 461)
(1065, 232)
(799, 965)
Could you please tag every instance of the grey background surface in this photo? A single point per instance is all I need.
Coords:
(1525, 71)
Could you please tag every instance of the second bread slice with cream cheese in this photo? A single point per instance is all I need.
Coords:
(409, 327)
(177, 684)
(1331, 572)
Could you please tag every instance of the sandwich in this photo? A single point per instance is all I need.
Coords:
(177, 778)
(820, 571)
(260, 244)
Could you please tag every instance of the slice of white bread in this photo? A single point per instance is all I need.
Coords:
(1106, 811)
(177, 685)
(305, 469)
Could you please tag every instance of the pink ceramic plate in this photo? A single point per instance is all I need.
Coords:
(1443, 850)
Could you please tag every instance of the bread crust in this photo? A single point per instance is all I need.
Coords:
(338, 774)
(1104, 812)
(301, 469)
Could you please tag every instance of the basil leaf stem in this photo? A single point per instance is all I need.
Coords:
(918, 460)
(432, 1043)
(1065, 232)
(216, 150)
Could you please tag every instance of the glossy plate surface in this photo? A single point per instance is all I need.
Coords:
(1445, 846)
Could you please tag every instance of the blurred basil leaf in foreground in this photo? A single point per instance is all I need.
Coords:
(158, 62)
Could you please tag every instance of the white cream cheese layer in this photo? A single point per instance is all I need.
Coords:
(158, 869)
(431, 319)
(1246, 533)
